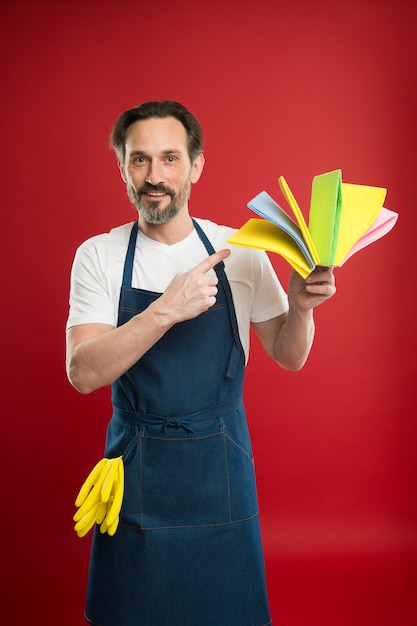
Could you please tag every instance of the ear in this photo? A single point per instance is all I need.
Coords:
(197, 168)
(122, 173)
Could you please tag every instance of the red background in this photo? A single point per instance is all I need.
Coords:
(295, 89)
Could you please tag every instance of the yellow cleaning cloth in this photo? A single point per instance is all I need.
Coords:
(264, 235)
(360, 208)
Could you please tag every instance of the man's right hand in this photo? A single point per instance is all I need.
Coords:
(191, 293)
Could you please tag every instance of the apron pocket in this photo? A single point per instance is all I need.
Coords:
(242, 482)
(183, 480)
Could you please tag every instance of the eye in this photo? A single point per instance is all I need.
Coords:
(171, 159)
(139, 159)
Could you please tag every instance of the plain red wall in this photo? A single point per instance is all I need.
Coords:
(295, 89)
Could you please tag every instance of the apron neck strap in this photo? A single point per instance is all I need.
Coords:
(221, 274)
(130, 255)
(207, 244)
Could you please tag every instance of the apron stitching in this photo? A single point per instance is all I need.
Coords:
(131, 445)
(227, 475)
(91, 621)
(141, 479)
(127, 309)
(170, 439)
(150, 528)
(241, 448)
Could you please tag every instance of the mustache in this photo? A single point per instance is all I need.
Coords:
(147, 187)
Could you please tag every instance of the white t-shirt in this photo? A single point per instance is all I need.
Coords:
(96, 275)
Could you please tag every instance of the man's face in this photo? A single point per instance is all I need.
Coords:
(157, 171)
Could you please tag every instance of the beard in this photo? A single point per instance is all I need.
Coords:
(151, 212)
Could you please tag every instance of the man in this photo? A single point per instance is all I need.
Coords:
(161, 310)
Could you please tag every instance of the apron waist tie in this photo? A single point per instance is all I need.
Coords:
(185, 421)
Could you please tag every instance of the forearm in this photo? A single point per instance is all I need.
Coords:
(294, 339)
(293, 343)
(99, 359)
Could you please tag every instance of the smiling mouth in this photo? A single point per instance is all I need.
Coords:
(155, 194)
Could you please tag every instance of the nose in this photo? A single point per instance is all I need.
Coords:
(154, 176)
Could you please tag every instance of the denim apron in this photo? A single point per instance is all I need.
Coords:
(187, 551)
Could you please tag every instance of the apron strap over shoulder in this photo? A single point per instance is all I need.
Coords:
(219, 269)
(130, 255)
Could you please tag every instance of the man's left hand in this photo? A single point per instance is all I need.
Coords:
(312, 291)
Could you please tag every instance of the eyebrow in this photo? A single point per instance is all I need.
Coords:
(135, 153)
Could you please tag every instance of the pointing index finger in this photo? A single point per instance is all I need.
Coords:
(211, 261)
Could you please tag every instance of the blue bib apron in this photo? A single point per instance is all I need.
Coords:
(187, 551)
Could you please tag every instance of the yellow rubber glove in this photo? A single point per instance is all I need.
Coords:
(100, 498)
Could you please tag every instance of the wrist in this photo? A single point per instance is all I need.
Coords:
(159, 316)
(299, 312)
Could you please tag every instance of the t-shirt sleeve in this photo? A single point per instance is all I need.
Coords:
(91, 299)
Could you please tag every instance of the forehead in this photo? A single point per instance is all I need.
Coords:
(157, 135)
